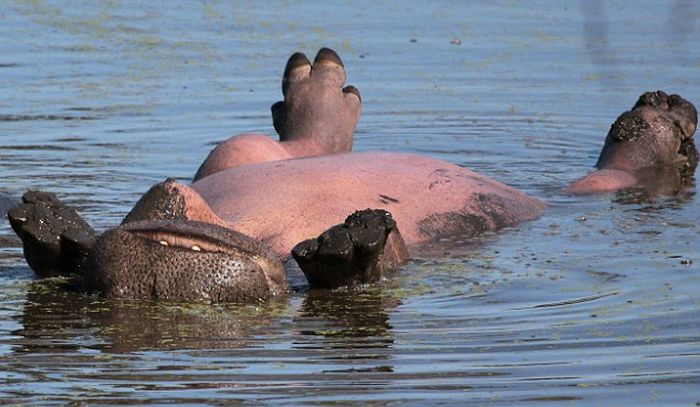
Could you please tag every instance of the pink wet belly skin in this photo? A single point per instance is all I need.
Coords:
(285, 202)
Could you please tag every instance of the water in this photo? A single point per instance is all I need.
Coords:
(595, 303)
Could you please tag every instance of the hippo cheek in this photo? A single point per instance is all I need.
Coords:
(183, 261)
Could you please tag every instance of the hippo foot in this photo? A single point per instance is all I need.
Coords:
(56, 239)
(364, 249)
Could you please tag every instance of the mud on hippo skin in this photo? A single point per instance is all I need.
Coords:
(55, 238)
(363, 249)
(487, 212)
(657, 131)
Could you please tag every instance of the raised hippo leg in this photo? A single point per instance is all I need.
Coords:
(318, 116)
(362, 250)
(650, 146)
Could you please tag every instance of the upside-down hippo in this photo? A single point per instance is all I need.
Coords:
(255, 201)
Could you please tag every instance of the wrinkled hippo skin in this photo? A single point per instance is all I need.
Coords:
(171, 258)
(183, 261)
(650, 146)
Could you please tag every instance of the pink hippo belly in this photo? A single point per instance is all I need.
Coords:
(285, 202)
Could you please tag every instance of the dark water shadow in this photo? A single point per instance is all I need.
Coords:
(660, 189)
(56, 319)
(354, 319)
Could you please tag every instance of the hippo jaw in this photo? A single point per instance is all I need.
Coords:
(182, 261)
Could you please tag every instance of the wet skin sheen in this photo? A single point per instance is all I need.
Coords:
(179, 242)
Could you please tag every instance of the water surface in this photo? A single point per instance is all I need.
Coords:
(595, 303)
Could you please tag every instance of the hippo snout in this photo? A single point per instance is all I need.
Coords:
(182, 261)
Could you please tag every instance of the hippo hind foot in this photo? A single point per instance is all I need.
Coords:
(56, 239)
(364, 249)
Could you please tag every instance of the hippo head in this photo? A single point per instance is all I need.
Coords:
(316, 106)
(184, 254)
(182, 260)
(656, 133)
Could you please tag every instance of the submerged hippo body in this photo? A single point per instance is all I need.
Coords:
(254, 201)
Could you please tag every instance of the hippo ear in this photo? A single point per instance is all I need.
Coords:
(279, 118)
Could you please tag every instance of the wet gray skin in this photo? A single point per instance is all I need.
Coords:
(656, 134)
(184, 261)
(168, 258)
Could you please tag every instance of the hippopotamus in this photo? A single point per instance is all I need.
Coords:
(344, 217)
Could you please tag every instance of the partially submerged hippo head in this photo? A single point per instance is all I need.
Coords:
(650, 146)
(184, 261)
(169, 258)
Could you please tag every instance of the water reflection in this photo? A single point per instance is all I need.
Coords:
(338, 315)
(55, 319)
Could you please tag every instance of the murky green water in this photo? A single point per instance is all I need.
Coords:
(595, 303)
